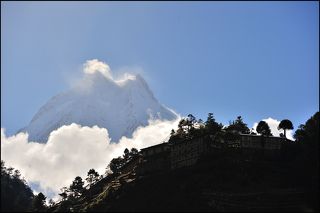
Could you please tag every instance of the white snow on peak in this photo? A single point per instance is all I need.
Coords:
(119, 105)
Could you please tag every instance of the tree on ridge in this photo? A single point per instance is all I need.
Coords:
(285, 124)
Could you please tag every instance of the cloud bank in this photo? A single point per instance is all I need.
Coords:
(72, 150)
(273, 124)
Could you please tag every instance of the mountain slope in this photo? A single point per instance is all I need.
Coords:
(120, 106)
(221, 182)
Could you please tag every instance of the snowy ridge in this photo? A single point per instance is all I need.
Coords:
(120, 106)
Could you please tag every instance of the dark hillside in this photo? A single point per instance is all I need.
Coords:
(216, 183)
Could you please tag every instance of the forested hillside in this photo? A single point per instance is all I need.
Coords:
(16, 195)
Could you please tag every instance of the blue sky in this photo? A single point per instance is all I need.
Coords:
(255, 59)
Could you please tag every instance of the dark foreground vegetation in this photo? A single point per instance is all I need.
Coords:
(16, 195)
(215, 184)
(225, 180)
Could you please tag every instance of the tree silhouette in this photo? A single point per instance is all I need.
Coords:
(77, 186)
(190, 121)
(181, 132)
(92, 177)
(64, 193)
(172, 132)
(285, 124)
(133, 152)
(239, 126)
(264, 129)
(115, 164)
(38, 204)
(307, 137)
(211, 125)
(126, 154)
(181, 124)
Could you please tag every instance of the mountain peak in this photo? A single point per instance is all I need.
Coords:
(119, 105)
(97, 72)
(95, 66)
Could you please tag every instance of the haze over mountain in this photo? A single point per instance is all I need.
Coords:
(119, 105)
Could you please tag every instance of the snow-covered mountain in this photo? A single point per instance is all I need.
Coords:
(120, 106)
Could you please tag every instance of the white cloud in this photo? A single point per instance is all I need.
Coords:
(94, 65)
(72, 150)
(273, 124)
(123, 74)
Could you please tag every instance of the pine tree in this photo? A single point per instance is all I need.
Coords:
(77, 186)
(38, 204)
(211, 126)
(92, 177)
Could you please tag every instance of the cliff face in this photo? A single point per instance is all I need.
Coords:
(216, 183)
